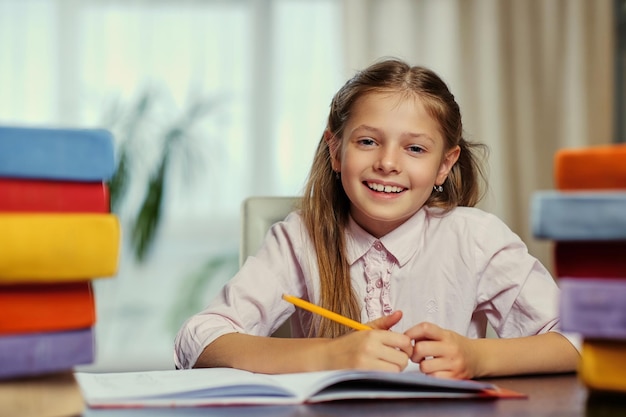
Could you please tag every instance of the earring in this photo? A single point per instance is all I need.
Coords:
(438, 188)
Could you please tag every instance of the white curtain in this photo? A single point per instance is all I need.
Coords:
(530, 76)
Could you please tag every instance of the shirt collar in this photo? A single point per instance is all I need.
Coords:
(402, 243)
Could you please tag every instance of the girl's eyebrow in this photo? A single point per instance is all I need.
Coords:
(366, 127)
(379, 132)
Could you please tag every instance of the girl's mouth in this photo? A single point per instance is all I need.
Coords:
(384, 188)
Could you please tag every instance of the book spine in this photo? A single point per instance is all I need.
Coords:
(583, 259)
(58, 247)
(32, 308)
(591, 168)
(56, 154)
(41, 353)
(53, 395)
(603, 365)
(593, 307)
(19, 195)
(581, 216)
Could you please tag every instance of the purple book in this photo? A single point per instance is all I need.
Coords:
(39, 353)
(593, 307)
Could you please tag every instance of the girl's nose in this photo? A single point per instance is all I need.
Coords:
(388, 161)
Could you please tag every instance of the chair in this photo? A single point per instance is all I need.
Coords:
(259, 213)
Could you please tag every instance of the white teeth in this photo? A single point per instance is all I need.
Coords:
(385, 188)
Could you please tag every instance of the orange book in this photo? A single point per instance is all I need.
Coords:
(591, 168)
(28, 308)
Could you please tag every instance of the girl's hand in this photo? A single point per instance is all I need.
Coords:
(377, 349)
(443, 353)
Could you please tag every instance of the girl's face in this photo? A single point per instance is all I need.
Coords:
(390, 156)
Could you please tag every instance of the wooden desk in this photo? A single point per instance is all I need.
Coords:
(554, 396)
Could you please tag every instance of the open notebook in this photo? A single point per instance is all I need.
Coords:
(226, 386)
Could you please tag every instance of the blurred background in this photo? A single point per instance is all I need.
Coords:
(212, 101)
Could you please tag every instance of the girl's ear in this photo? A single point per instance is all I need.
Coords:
(449, 159)
(334, 149)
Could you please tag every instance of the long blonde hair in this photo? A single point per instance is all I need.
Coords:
(326, 207)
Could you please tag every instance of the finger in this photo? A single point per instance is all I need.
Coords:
(441, 368)
(432, 365)
(374, 349)
(425, 331)
(427, 349)
(398, 341)
(445, 375)
(386, 322)
(395, 349)
(395, 357)
(388, 365)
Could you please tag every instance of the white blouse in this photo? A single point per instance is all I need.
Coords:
(459, 270)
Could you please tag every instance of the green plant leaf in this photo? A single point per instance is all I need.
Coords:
(119, 182)
(118, 185)
(145, 226)
(175, 141)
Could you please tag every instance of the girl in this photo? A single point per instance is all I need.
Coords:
(386, 234)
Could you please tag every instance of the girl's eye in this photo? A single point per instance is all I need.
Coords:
(366, 141)
(415, 149)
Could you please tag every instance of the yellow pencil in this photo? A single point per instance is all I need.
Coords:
(325, 313)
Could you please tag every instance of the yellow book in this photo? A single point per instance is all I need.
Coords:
(603, 365)
(48, 247)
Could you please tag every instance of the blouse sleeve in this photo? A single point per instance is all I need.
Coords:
(515, 291)
(251, 302)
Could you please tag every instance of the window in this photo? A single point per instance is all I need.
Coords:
(267, 69)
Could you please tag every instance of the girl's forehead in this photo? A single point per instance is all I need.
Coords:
(395, 97)
(390, 101)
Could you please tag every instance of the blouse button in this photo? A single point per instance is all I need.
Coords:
(378, 246)
(379, 283)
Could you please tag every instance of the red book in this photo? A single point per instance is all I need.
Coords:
(35, 308)
(583, 259)
(23, 195)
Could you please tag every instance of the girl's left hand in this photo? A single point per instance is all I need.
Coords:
(443, 353)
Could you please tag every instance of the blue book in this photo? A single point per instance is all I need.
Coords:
(31, 354)
(593, 307)
(56, 154)
(579, 216)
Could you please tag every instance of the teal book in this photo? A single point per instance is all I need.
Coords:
(579, 216)
(56, 154)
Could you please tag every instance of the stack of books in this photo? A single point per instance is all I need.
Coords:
(56, 235)
(586, 218)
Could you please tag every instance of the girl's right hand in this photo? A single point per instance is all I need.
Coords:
(377, 349)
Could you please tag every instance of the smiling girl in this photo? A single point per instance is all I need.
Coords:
(387, 234)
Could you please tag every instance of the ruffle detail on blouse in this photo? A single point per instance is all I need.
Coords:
(378, 263)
